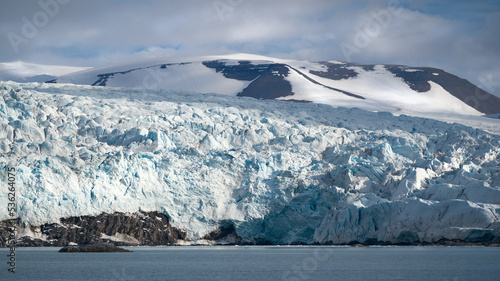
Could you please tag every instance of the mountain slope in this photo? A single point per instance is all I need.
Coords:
(19, 71)
(275, 172)
(393, 88)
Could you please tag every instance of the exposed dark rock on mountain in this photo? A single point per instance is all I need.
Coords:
(418, 80)
(267, 79)
(328, 87)
(336, 71)
(270, 78)
(123, 229)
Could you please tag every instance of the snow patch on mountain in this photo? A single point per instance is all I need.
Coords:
(190, 77)
(385, 92)
(396, 89)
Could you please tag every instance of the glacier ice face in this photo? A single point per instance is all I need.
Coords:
(409, 220)
(280, 172)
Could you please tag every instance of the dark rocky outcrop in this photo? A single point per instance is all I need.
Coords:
(268, 80)
(418, 80)
(98, 248)
(225, 235)
(123, 229)
(328, 87)
(340, 71)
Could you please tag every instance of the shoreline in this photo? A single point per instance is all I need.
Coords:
(430, 245)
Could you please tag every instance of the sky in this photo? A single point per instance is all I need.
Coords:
(461, 37)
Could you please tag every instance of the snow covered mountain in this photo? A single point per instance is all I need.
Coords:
(394, 88)
(270, 171)
(19, 71)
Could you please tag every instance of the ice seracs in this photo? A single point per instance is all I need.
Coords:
(278, 172)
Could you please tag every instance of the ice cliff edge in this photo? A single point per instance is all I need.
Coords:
(278, 172)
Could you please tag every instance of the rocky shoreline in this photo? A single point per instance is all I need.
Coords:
(99, 248)
(122, 229)
(154, 229)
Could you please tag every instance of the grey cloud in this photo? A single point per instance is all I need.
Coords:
(92, 33)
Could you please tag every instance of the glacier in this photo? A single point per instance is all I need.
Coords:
(279, 172)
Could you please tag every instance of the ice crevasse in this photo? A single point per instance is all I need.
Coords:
(279, 172)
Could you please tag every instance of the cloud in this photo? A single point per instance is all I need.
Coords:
(458, 36)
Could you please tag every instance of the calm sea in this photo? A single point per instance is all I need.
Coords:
(258, 263)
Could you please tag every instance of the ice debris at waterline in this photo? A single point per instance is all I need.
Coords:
(278, 172)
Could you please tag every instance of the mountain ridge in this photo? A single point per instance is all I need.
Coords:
(395, 88)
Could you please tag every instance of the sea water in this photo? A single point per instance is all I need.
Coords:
(258, 263)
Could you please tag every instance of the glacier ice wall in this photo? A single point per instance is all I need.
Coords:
(280, 172)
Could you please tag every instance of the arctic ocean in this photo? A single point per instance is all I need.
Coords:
(260, 263)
